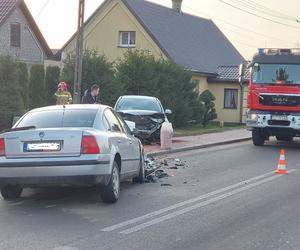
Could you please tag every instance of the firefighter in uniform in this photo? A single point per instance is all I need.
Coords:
(63, 96)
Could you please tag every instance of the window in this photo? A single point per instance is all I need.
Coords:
(127, 39)
(230, 98)
(123, 124)
(59, 119)
(139, 104)
(15, 35)
(196, 83)
(270, 74)
(113, 121)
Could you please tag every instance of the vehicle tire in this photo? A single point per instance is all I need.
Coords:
(111, 192)
(284, 138)
(141, 178)
(10, 192)
(258, 137)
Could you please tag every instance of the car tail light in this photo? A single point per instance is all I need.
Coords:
(89, 145)
(2, 147)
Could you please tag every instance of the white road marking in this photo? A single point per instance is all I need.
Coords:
(199, 205)
(50, 206)
(16, 203)
(65, 248)
(181, 204)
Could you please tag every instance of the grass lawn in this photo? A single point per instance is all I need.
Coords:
(198, 129)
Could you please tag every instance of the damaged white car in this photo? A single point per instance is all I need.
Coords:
(146, 112)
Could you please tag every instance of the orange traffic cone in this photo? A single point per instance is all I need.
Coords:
(281, 169)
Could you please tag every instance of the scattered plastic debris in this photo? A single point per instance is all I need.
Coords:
(178, 162)
(151, 179)
(161, 173)
(156, 169)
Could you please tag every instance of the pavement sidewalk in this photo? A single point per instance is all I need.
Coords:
(200, 141)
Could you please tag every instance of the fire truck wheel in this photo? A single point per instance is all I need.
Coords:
(258, 137)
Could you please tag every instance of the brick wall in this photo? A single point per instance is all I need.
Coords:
(30, 51)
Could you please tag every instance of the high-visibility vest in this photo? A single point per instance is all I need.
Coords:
(63, 97)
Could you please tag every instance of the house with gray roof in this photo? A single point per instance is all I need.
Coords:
(20, 36)
(195, 43)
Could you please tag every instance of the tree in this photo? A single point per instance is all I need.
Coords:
(37, 86)
(11, 103)
(142, 74)
(95, 70)
(23, 83)
(51, 82)
(207, 99)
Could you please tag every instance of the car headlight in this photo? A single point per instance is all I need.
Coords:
(157, 120)
(252, 117)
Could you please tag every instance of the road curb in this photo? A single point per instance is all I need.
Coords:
(188, 148)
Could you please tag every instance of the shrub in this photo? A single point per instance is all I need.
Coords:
(142, 74)
(11, 101)
(207, 99)
(95, 70)
(37, 86)
(23, 83)
(51, 82)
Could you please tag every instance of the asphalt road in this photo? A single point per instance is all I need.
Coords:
(227, 198)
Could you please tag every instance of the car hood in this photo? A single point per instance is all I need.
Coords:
(141, 112)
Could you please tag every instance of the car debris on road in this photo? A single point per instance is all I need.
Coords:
(158, 168)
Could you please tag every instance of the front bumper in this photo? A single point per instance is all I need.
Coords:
(266, 119)
(61, 173)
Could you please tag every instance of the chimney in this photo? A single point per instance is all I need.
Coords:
(176, 5)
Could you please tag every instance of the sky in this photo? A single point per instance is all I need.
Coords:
(248, 24)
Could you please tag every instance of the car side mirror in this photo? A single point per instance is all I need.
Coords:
(168, 111)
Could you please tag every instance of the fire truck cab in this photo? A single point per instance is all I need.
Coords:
(274, 95)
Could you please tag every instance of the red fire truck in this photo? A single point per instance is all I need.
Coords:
(274, 95)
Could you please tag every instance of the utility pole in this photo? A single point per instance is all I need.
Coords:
(241, 81)
(78, 59)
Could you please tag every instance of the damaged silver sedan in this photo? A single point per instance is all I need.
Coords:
(146, 113)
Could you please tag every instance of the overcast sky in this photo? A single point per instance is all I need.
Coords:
(57, 20)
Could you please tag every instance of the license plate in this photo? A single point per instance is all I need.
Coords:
(46, 146)
(280, 118)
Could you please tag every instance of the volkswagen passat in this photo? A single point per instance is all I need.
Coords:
(69, 145)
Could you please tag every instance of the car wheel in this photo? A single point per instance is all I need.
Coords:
(258, 137)
(141, 178)
(111, 192)
(11, 192)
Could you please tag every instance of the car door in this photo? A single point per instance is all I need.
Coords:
(133, 145)
(122, 141)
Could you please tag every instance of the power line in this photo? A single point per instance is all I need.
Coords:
(247, 36)
(42, 9)
(256, 15)
(244, 29)
(278, 14)
(263, 10)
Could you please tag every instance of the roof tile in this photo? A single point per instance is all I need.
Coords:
(229, 74)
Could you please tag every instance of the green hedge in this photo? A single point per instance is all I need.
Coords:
(11, 94)
(52, 78)
(37, 92)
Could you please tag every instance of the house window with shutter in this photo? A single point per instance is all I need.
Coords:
(127, 39)
(230, 98)
(15, 35)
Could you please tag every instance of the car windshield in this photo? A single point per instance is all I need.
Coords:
(276, 74)
(59, 118)
(139, 104)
